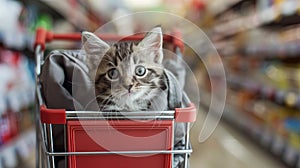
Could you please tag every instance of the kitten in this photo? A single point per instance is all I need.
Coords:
(128, 76)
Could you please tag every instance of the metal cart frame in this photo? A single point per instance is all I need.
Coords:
(46, 118)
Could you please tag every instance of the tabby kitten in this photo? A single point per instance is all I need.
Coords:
(128, 76)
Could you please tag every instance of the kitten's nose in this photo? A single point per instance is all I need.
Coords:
(129, 88)
(127, 84)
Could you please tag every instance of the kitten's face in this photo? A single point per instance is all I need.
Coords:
(128, 74)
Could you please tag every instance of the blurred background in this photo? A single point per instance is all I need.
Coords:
(258, 42)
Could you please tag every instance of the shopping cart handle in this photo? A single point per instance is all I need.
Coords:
(52, 116)
(43, 36)
(187, 114)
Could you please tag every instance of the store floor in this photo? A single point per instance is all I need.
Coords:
(227, 148)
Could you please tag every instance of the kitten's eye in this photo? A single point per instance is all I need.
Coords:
(113, 74)
(140, 70)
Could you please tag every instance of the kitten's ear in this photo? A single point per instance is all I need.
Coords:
(153, 42)
(94, 47)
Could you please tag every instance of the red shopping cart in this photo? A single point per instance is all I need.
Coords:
(82, 130)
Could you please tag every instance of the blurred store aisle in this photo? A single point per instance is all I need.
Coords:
(227, 148)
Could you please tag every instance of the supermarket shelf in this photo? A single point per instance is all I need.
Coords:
(63, 9)
(91, 14)
(288, 52)
(284, 46)
(236, 26)
(21, 147)
(24, 135)
(226, 7)
(275, 21)
(76, 17)
(28, 52)
(283, 21)
(45, 8)
(286, 98)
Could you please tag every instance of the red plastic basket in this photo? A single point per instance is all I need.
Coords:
(126, 135)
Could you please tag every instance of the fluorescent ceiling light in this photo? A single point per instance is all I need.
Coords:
(142, 4)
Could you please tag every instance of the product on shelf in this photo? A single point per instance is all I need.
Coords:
(16, 100)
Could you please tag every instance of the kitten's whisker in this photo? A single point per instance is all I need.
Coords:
(105, 99)
(105, 102)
